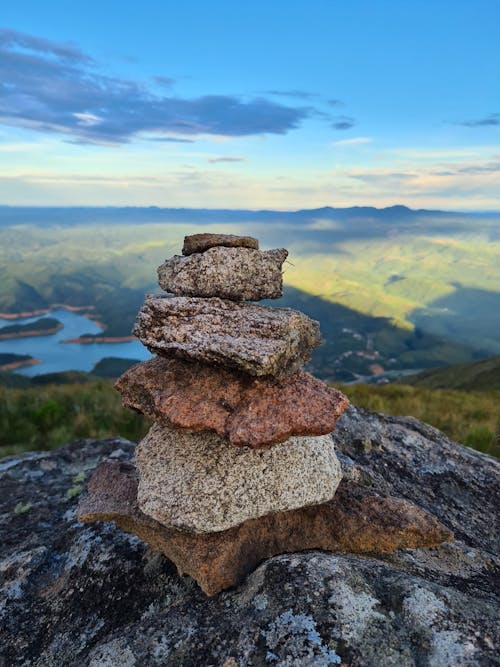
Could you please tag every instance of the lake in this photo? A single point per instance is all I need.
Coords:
(55, 356)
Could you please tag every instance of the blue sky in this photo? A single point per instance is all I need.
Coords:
(255, 105)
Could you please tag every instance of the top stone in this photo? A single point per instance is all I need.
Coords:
(202, 242)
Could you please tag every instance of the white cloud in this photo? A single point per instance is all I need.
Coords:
(87, 119)
(355, 141)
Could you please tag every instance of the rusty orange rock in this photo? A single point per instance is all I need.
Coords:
(249, 411)
(357, 520)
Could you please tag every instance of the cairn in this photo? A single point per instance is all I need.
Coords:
(239, 464)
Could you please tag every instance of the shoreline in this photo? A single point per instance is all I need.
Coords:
(29, 334)
(83, 340)
(44, 311)
(14, 365)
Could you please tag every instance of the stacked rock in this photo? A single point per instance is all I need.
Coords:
(225, 383)
(239, 464)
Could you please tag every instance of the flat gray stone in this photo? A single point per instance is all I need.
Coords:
(258, 340)
(199, 483)
(241, 274)
(202, 242)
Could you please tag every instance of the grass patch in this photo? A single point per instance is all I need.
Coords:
(47, 417)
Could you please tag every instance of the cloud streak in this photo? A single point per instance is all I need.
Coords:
(343, 123)
(487, 121)
(228, 158)
(299, 94)
(57, 88)
(355, 141)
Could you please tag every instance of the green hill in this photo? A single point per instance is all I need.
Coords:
(107, 368)
(482, 375)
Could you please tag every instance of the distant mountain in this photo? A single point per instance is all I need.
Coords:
(482, 375)
(75, 215)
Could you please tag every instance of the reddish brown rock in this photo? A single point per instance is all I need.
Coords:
(254, 412)
(202, 242)
(357, 520)
(258, 340)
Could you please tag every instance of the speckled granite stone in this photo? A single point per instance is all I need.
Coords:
(198, 483)
(258, 340)
(240, 274)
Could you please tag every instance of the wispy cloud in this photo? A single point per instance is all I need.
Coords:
(170, 140)
(412, 183)
(383, 178)
(489, 167)
(226, 158)
(57, 88)
(164, 81)
(343, 123)
(18, 42)
(485, 121)
(299, 94)
(355, 141)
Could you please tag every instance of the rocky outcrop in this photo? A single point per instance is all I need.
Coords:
(255, 339)
(241, 274)
(73, 594)
(249, 411)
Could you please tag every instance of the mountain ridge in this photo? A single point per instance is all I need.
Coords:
(80, 214)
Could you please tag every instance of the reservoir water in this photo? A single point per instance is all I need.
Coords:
(56, 356)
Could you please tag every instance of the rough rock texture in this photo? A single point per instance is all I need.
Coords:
(256, 339)
(198, 483)
(357, 520)
(240, 274)
(256, 412)
(74, 595)
(202, 242)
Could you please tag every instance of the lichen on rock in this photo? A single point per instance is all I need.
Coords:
(71, 593)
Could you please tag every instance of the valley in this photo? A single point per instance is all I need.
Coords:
(395, 290)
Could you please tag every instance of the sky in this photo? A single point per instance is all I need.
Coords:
(265, 104)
